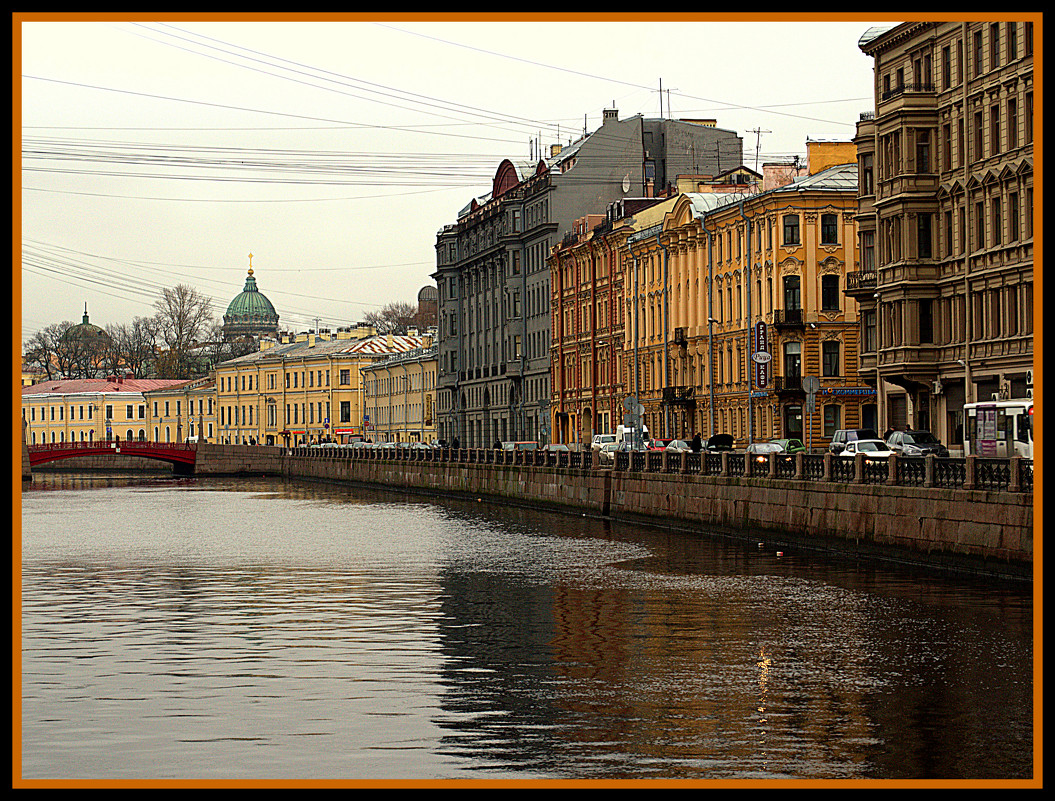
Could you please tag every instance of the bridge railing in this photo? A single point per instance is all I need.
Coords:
(971, 472)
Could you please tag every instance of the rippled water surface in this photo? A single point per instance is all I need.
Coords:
(255, 629)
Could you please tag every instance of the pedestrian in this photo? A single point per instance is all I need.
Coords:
(697, 443)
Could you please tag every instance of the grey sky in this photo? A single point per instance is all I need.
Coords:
(157, 153)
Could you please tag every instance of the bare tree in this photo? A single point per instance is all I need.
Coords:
(183, 318)
(44, 350)
(133, 346)
(394, 318)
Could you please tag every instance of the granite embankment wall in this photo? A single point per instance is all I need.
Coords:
(979, 531)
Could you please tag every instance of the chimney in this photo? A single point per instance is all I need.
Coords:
(609, 114)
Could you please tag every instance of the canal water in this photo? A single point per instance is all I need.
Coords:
(248, 629)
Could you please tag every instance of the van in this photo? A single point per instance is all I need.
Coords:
(632, 438)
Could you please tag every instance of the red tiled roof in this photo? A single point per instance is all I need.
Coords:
(73, 386)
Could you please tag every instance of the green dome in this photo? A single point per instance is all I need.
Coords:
(86, 331)
(250, 313)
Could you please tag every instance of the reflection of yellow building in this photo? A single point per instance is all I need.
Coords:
(183, 412)
(89, 409)
(305, 390)
(400, 397)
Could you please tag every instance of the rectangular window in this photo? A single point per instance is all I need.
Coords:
(1029, 117)
(868, 323)
(830, 359)
(977, 53)
(1012, 41)
(926, 322)
(922, 150)
(829, 229)
(830, 292)
(791, 229)
(978, 136)
(946, 67)
(996, 209)
(923, 236)
(128, 412)
(867, 177)
(1012, 217)
(1012, 123)
(868, 252)
(345, 378)
(994, 130)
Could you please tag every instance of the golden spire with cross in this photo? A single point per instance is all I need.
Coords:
(250, 263)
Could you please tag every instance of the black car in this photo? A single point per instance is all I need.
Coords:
(844, 435)
(719, 442)
(915, 443)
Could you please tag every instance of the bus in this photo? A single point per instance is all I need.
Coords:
(999, 428)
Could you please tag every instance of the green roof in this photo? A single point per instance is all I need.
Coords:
(250, 309)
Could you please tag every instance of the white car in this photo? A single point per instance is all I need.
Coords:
(606, 453)
(871, 448)
(601, 439)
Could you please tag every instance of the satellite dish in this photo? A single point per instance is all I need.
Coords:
(626, 183)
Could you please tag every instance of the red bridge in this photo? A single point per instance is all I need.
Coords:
(172, 452)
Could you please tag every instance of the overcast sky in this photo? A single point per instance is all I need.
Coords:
(156, 153)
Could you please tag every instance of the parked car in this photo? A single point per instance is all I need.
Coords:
(871, 448)
(555, 447)
(606, 453)
(759, 451)
(719, 442)
(844, 436)
(520, 446)
(678, 446)
(915, 443)
(789, 445)
(601, 439)
(658, 444)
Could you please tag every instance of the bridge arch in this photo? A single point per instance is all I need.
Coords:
(177, 454)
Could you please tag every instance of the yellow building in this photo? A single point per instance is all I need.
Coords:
(726, 276)
(400, 397)
(302, 389)
(89, 409)
(183, 412)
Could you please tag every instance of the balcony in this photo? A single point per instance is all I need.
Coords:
(788, 318)
(788, 385)
(679, 396)
(861, 281)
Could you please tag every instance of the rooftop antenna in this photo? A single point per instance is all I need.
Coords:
(758, 141)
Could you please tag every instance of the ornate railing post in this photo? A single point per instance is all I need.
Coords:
(928, 470)
(1015, 484)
